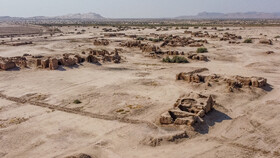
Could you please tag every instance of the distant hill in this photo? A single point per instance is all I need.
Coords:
(85, 16)
(246, 15)
(4, 18)
(204, 15)
(81, 16)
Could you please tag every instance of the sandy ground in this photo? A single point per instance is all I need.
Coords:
(242, 124)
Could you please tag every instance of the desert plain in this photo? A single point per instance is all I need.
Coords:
(118, 106)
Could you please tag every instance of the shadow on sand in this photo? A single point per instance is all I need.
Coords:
(213, 117)
(267, 88)
(61, 68)
(14, 69)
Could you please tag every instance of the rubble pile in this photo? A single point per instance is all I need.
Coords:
(177, 41)
(102, 42)
(228, 36)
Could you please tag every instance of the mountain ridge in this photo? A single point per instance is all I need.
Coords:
(235, 15)
(83, 16)
(202, 15)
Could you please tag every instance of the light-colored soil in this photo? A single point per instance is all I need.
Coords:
(14, 30)
(121, 103)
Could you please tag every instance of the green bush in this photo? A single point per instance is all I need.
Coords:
(140, 38)
(157, 39)
(201, 50)
(175, 59)
(277, 36)
(249, 40)
(166, 60)
(77, 101)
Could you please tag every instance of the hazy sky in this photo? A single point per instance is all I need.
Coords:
(132, 8)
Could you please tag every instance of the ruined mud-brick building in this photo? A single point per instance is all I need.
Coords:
(7, 63)
(177, 41)
(233, 82)
(228, 36)
(131, 44)
(102, 42)
(188, 109)
(53, 62)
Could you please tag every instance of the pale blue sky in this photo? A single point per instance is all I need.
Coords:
(133, 8)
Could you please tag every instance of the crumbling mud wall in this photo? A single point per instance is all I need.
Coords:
(53, 62)
(188, 109)
(102, 42)
(232, 82)
(12, 62)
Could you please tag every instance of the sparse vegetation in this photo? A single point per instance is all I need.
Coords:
(117, 81)
(155, 39)
(120, 110)
(140, 38)
(135, 106)
(201, 50)
(249, 40)
(77, 101)
(175, 59)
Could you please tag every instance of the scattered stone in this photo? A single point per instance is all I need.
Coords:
(228, 36)
(195, 56)
(266, 41)
(102, 42)
(156, 141)
(269, 52)
(79, 156)
(234, 42)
